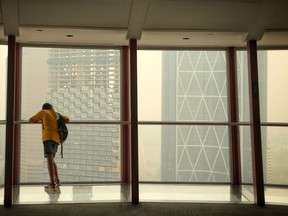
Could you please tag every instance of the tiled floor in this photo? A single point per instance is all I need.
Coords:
(148, 193)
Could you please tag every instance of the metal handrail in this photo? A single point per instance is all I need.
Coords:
(79, 122)
(271, 124)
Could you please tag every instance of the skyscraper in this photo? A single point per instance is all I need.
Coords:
(195, 89)
(85, 85)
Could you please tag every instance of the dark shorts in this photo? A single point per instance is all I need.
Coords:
(50, 148)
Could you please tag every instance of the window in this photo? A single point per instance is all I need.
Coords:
(3, 89)
(183, 86)
(273, 77)
(65, 78)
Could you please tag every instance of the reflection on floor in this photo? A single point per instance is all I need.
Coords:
(195, 193)
(69, 194)
(276, 195)
(148, 193)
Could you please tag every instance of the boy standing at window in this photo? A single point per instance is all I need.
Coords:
(50, 138)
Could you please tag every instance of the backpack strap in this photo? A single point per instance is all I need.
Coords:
(61, 150)
(57, 118)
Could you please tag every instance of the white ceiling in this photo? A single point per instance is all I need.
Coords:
(166, 23)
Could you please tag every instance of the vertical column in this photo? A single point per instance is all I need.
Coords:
(235, 146)
(257, 162)
(10, 121)
(134, 121)
(125, 129)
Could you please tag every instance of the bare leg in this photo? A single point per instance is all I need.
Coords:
(55, 172)
(50, 163)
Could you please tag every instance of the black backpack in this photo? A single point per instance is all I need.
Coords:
(62, 130)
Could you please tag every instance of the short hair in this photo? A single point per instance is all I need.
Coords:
(46, 106)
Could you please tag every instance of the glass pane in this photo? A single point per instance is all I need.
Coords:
(192, 193)
(246, 154)
(275, 151)
(2, 153)
(276, 195)
(149, 85)
(83, 84)
(72, 194)
(273, 78)
(3, 81)
(243, 88)
(184, 153)
(183, 85)
(2, 161)
(91, 154)
(273, 87)
(3, 93)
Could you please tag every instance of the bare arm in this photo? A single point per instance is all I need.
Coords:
(66, 119)
(32, 120)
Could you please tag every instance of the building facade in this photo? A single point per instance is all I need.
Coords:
(195, 90)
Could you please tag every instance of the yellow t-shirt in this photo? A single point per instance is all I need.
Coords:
(49, 124)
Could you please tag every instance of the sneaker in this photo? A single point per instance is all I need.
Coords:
(50, 186)
(52, 190)
(58, 183)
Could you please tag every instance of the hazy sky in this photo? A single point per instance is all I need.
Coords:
(149, 76)
(149, 109)
(149, 70)
(277, 86)
(149, 85)
(3, 77)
